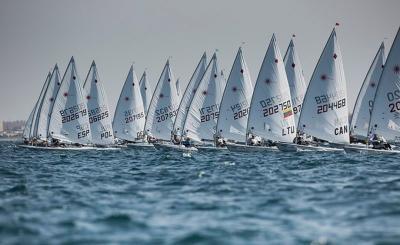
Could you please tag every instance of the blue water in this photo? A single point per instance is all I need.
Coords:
(139, 197)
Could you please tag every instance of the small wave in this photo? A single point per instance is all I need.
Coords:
(21, 188)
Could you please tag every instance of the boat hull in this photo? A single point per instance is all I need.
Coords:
(365, 150)
(291, 147)
(211, 148)
(248, 148)
(140, 145)
(51, 148)
(168, 147)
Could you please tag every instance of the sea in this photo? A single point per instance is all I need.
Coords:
(133, 196)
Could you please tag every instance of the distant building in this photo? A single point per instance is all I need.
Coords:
(13, 125)
(1, 126)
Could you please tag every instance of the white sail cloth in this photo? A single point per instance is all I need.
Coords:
(271, 114)
(129, 117)
(203, 112)
(188, 95)
(163, 106)
(145, 91)
(234, 107)
(295, 76)
(99, 113)
(325, 108)
(385, 116)
(69, 120)
(47, 104)
(365, 99)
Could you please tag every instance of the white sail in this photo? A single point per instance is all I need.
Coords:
(234, 107)
(271, 115)
(99, 113)
(163, 106)
(202, 116)
(145, 91)
(385, 116)
(36, 115)
(28, 125)
(69, 120)
(47, 104)
(129, 117)
(188, 95)
(365, 99)
(297, 84)
(324, 112)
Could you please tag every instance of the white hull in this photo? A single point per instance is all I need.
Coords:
(291, 147)
(365, 150)
(59, 148)
(211, 148)
(141, 145)
(168, 146)
(249, 148)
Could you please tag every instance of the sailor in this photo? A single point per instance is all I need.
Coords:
(220, 142)
(379, 142)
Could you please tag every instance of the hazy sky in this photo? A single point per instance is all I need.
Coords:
(34, 35)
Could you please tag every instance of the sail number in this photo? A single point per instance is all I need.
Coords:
(241, 113)
(165, 116)
(134, 117)
(331, 106)
(210, 116)
(394, 106)
(395, 95)
(297, 109)
(329, 97)
(74, 116)
(212, 113)
(98, 117)
(276, 108)
(392, 96)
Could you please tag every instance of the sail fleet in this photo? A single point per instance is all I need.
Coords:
(277, 111)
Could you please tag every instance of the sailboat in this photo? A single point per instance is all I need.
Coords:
(187, 98)
(129, 116)
(145, 91)
(69, 123)
(99, 114)
(385, 115)
(28, 129)
(271, 116)
(324, 114)
(162, 111)
(203, 111)
(43, 118)
(295, 76)
(235, 103)
(365, 99)
(33, 134)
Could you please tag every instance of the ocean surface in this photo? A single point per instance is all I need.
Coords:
(159, 197)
